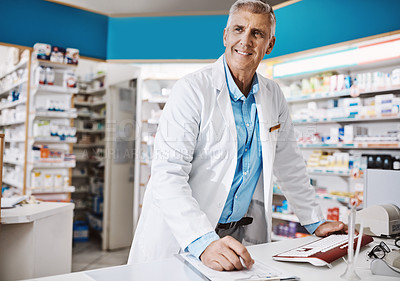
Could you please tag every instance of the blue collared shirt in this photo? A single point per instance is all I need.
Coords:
(249, 161)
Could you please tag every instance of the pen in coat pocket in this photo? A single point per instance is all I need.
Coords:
(274, 128)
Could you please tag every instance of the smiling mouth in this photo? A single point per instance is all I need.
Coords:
(243, 53)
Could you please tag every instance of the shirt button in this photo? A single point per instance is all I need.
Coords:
(245, 149)
(236, 196)
(245, 173)
(247, 124)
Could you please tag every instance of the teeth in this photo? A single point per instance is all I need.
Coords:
(242, 53)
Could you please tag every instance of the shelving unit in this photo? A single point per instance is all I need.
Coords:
(48, 170)
(27, 168)
(88, 176)
(14, 92)
(318, 125)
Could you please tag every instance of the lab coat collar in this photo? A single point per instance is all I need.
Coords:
(218, 74)
(223, 98)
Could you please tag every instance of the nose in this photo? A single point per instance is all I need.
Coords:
(246, 39)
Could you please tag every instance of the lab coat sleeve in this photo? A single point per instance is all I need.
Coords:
(290, 170)
(174, 147)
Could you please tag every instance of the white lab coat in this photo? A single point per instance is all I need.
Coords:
(194, 163)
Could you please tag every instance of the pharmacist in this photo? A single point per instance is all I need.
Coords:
(223, 133)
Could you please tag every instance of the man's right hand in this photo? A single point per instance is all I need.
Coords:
(225, 254)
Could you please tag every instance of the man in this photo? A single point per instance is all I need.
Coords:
(223, 132)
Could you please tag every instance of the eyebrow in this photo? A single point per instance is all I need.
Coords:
(253, 29)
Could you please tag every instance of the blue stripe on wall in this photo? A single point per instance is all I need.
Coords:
(180, 37)
(25, 22)
(311, 24)
(304, 25)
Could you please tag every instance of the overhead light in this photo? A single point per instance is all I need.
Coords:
(353, 56)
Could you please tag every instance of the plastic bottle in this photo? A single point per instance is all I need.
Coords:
(49, 76)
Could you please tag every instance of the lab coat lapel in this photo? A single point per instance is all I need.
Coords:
(266, 113)
(223, 98)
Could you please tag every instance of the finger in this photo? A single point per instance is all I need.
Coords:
(232, 257)
(241, 251)
(216, 266)
(337, 227)
(225, 263)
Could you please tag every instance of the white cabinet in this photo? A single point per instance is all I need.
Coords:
(36, 240)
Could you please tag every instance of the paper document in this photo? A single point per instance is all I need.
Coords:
(12, 201)
(259, 271)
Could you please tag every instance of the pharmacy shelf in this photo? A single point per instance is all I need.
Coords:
(54, 114)
(88, 161)
(13, 162)
(14, 140)
(2, 92)
(16, 67)
(99, 118)
(54, 140)
(346, 120)
(95, 77)
(90, 104)
(90, 131)
(12, 104)
(92, 92)
(325, 171)
(80, 176)
(13, 183)
(47, 63)
(330, 95)
(52, 165)
(82, 145)
(358, 145)
(285, 217)
(84, 115)
(98, 103)
(55, 89)
(12, 123)
(341, 199)
(46, 190)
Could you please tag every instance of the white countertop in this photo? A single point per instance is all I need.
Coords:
(173, 269)
(30, 212)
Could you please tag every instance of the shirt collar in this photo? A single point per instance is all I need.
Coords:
(233, 89)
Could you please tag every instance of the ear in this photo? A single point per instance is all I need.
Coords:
(271, 45)
(225, 34)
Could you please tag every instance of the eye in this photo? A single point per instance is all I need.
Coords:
(238, 29)
(257, 34)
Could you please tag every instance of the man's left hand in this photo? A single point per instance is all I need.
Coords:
(328, 228)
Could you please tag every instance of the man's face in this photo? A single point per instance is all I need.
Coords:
(247, 39)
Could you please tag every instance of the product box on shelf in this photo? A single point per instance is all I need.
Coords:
(81, 231)
(71, 56)
(42, 51)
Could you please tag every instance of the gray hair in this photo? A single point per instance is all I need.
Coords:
(255, 7)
